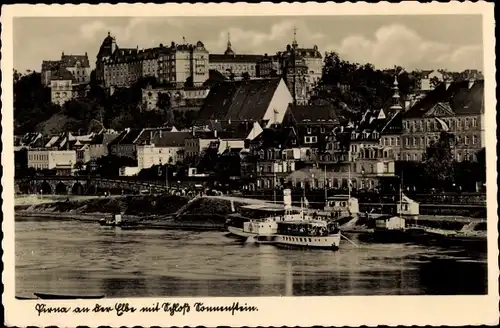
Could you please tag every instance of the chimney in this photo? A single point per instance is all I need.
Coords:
(447, 83)
(192, 131)
(471, 82)
(161, 134)
(151, 135)
(215, 133)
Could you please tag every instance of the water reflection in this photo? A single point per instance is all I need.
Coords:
(82, 258)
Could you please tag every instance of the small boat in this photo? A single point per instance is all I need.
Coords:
(388, 229)
(26, 298)
(116, 221)
(44, 296)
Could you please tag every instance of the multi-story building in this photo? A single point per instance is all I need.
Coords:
(272, 157)
(230, 63)
(160, 147)
(107, 49)
(456, 107)
(77, 65)
(122, 68)
(51, 159)
(295, 73)
(227, 134)
(176, 64)
(177, 97)
(61, 86)
(183, 62)
(314, 62)
(268, 66)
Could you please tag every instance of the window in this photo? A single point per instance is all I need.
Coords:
(397, 141)
(309, 130)
(474, 140)
(415, 157)
(414, 141)
(474, 122)
(466, 140)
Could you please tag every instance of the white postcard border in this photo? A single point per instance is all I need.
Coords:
(274, 311)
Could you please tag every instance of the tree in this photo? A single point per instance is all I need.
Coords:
(438, 164)
(189, 82)
(164, 101)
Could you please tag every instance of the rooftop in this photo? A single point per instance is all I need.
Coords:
(239, 100)
(460, 97)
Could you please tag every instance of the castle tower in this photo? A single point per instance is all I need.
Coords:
(229, 51)
(295, 44)
(396, 101)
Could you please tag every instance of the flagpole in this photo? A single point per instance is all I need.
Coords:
(349, 182)
(324, 185)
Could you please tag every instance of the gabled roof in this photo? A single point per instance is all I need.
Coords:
(238, 100)
(50, 65)
(312, 114)
(275, 137)
(461, 99)
(62, 74)
(128, 136)
(71, 60)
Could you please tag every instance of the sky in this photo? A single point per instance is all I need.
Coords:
(452, 42)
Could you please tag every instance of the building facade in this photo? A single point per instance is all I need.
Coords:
(61, 86)
(77, 65)
(183, 62)
(51, 159)
(177, 97)
(455, 107)
(230, 63)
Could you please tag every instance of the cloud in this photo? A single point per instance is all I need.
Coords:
(131, 33)
(255, 41)
(398, 45)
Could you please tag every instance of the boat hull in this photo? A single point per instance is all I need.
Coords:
(242, 233)
(323, 242)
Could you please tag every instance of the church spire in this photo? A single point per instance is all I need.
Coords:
(396, 101)
(229, 49)
(294, 43)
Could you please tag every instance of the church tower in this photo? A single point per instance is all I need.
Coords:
(229, 51)
(396, 99)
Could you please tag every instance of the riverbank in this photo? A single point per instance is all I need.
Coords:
(179, 212)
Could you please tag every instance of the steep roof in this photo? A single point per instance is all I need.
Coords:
(49, 65)
(62, 74)
(106, 48)
(71, 60)
(314, 113)
(126, 137)
(461, 99)
(275, 137)
(238, 100)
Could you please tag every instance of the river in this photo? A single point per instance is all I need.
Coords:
(69, 257)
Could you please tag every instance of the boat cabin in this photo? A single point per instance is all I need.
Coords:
(268, 211)
(408, 207)
(308, 228)
(390, 223)
(342, 205)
